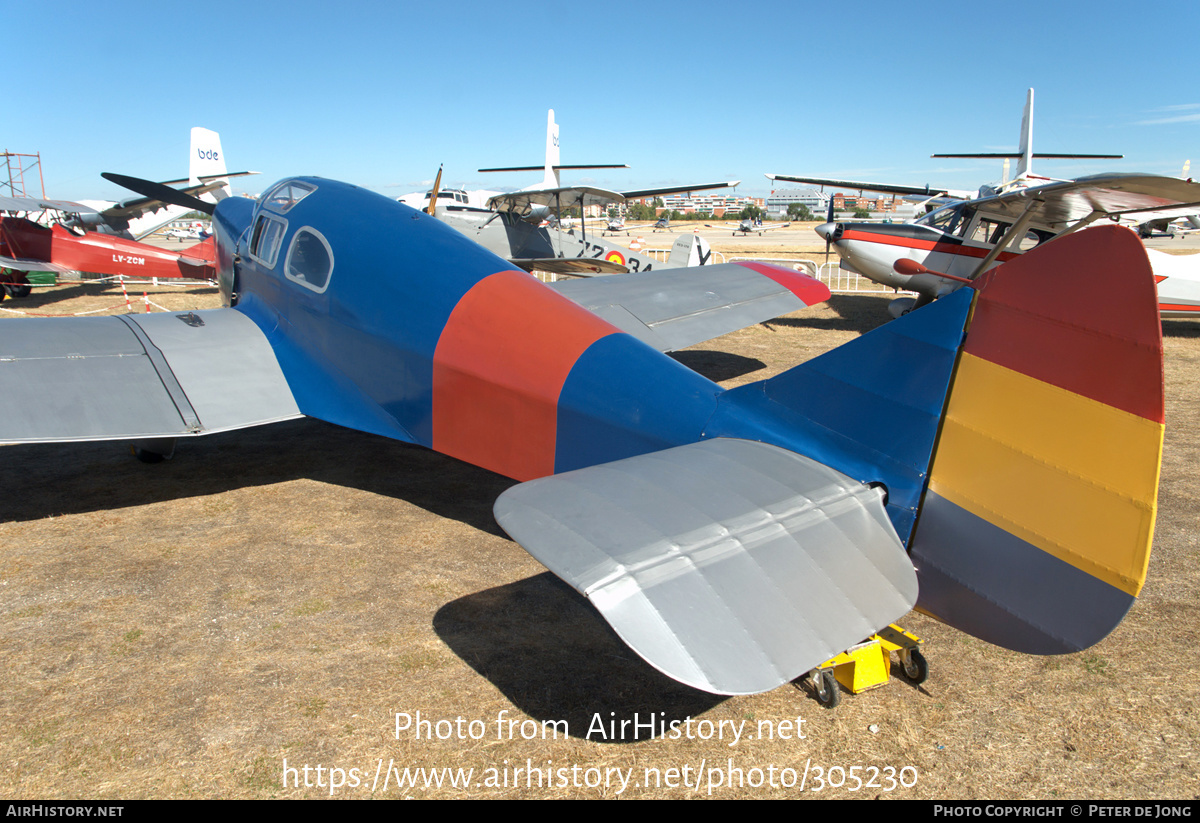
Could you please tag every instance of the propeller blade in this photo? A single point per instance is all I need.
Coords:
(437, 184)
(157, 191)
(828, 219)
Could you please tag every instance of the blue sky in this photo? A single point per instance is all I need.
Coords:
(380, 94)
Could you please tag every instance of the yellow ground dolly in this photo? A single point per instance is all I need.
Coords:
(868, 665)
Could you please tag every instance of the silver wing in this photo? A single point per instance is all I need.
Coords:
(671, 309)
(137, 377)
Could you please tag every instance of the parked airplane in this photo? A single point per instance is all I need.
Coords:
(749, 226)
(734, 538)
(517, 226)
(963, 238)
(956, 243)
(194, 232)
(614, 225)
(27, 246)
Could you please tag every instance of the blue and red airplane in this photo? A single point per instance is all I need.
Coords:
(991, 460)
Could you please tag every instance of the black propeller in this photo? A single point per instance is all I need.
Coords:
(157, 191)
(828, 219)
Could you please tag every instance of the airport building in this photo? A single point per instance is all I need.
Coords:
(778, 202)
(715, 204)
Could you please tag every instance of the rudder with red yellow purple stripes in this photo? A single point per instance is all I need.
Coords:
(1037, 521)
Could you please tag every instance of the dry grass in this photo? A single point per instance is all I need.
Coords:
(281, 593)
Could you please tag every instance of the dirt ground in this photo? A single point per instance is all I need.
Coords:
(304, 603)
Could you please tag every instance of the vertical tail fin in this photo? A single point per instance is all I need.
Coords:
(1035, 529)
(207, 160)
(1021, 457)
(1026, 148)
(690, 250)
(551, 180)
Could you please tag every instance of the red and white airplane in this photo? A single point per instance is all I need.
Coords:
(953, 245)
(28, 246)
(99, 237)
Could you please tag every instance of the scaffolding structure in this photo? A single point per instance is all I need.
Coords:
(18, 167)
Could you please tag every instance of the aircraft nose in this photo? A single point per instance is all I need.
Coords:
(829, 231)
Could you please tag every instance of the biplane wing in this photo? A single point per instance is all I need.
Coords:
(36, 204)
(565, 197)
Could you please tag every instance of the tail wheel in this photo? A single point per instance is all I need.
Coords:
(826, 688)
(915, 667)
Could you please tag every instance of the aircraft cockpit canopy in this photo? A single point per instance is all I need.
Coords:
(284, 195)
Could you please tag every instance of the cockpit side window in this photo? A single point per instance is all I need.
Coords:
(309, 260)
(266, 238)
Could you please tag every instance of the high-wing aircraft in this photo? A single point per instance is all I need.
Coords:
(735, 538)
(963, 238)
(515, 224)
(955, 244)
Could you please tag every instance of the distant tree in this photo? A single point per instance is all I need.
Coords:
(640, 211)
(862, 214)
(799, 212)
(750, 212)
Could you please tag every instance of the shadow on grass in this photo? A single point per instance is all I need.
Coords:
(718, 365)
(72, 478)
(555, 658)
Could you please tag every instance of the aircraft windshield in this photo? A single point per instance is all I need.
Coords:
(287, 194)
(948, 218)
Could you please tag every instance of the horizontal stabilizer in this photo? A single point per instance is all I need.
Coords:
(137, 376)
(730, 565)
(671, 309)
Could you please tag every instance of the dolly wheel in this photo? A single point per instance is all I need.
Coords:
(826, 687)
(915, 667)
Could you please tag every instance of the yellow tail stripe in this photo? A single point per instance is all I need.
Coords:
(1072, 476)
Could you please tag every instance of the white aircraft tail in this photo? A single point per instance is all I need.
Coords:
(207, 160)
(1026, 148)
(690, 250)
(551, 180)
